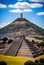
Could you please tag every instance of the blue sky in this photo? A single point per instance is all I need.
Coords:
(33, 10)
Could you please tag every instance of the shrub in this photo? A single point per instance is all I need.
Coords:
(33, 41)
(5, 39)
(41, 60)
(36, 61)
(29, 63)
(3, 63)
(38, 44)
(9, 41)
(43, 39)
(40, 64)
(42, 44)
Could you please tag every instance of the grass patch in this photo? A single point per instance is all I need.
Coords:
(31, 38)
(17, 60)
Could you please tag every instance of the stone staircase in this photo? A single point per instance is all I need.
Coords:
(35, 51)
(12, 51)
(24, 50)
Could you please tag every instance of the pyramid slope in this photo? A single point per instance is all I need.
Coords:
(22, 26)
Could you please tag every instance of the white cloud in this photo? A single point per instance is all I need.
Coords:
(36, 5)
(20, 11)
(25, 5)
(37, 0)
(3, 5)
(20, 5)
(16, 11)
(27, 10)
(40, 13)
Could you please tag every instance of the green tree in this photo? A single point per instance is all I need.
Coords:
(37, 62)
(41, 60)
(33, 41)
(29, 63)
(5, 39)
(9, 41)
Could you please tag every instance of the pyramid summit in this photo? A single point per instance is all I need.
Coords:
(21, 16)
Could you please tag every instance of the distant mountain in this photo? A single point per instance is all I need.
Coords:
(22, 26)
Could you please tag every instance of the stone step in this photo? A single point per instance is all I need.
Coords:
(13, 49)
(24, 50)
